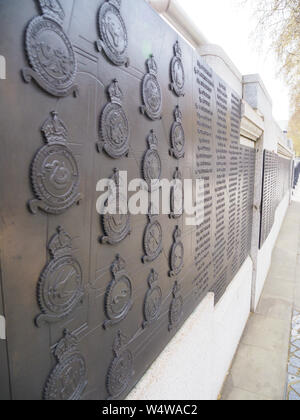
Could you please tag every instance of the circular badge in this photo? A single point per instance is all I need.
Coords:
(116, 226)
(153, 241)
(114, 129)
(68, 379)
(176, 310)
(119, 374)
(152, 167)
(55, 178)
(152, 96)
(118, 299)
(152, 304)
(113, 34)
(178, 140)
(51, 56)
(178, 76)
(61, 287)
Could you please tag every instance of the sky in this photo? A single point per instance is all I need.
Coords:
(231, 25)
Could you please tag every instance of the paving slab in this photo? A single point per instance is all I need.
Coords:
(260, 371)
(275, 308)
(231, 393)
(267, 333)
(267, 362)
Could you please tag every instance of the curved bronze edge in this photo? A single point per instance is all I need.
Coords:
(79, 199)
(74, 90)
(99, 146)
(29, 74)
(104, 240)
(172, 88)
(43, 319)
(99, 45)
(34, 205)
(147, 259)
(173, 215)
(82, 388)
(107, 240)
(172, 154)
(107, 324)
(127, 62)
(40, 320)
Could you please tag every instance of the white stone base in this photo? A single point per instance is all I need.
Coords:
(194, 364)
(265, 253)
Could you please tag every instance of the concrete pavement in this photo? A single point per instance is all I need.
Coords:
(259, 369)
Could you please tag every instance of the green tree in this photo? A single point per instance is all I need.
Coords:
(279, 22)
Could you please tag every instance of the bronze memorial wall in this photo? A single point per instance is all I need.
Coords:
(96, 87)
(277, 174)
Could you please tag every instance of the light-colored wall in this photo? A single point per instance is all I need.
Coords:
(265, 253)
(216, 58)
(194, 364)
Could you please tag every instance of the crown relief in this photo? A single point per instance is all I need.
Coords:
(178, 114)
(66, 346)
(176, 289)
(115, 3)
(177, 174)
(119, 343)
(61, 244)
(177, 233)
(153, 211)
(115, 92)
(152, 140)
(54, 129)
(178, 50)
(152, 65)
(52, 9)
(118, 265)
(153, 278)
(117, 183)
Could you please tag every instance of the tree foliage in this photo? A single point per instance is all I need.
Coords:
(294, 130)
(279, 21)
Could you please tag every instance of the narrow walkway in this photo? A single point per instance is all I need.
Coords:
(259, 370)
